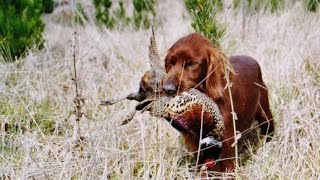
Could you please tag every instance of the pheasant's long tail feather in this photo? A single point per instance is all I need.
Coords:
(155, 60)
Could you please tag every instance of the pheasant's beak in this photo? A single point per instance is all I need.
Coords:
(139, 96)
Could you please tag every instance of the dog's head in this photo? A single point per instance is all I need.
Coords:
(194, 62)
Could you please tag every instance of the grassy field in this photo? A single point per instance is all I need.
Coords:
(38, 137)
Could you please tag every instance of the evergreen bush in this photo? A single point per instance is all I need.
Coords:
(312, 5)
(143, 14)
(21, 26)
(103, 13)
(204, 19)
(254, 6)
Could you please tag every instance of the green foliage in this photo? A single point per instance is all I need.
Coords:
(80, 16)
(48, 6)
(143, 14)
(20, 119)
(312, 68)
(10, 152)
(21, 26)
(253, 6)
(11, 80)
(312, 5)
(204, 18)
(275, 5)
(103, 14)
(120, 14)
(236, 4)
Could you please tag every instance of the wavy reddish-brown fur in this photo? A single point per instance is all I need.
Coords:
(194, 62)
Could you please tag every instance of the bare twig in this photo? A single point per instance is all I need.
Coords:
(200, 136)
(79, 101)
(234, 118)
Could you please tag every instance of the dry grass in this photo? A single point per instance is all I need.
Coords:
(36, 96)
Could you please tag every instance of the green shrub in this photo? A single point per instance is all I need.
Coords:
(80, 15)
(204, 18)
(143, 14)
(275, 5)
(103, 14)
(21, 26)
(254, 6)
(120, 14)
(312, 5)
(47, 6)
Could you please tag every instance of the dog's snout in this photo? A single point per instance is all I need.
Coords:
(169, 88)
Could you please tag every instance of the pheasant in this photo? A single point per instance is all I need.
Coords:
(192, 113)
(189, 111)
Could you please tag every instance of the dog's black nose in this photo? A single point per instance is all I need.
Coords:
(169, 88)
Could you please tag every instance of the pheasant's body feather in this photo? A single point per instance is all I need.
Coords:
(188, 110)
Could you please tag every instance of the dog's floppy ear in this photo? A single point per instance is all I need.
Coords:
(217, 67)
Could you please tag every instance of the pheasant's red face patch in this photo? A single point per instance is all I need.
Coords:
(210, 163)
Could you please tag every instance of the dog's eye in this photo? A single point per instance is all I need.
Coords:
(172, 63)
(190, 63)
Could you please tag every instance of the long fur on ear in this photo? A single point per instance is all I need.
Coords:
(218, 69)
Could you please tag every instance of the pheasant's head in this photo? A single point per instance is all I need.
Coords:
(150, 81)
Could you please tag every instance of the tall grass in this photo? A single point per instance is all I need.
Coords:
(110, 64)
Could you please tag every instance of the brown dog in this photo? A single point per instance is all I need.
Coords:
(193, 62)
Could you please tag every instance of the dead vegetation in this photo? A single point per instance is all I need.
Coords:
(37, 93)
